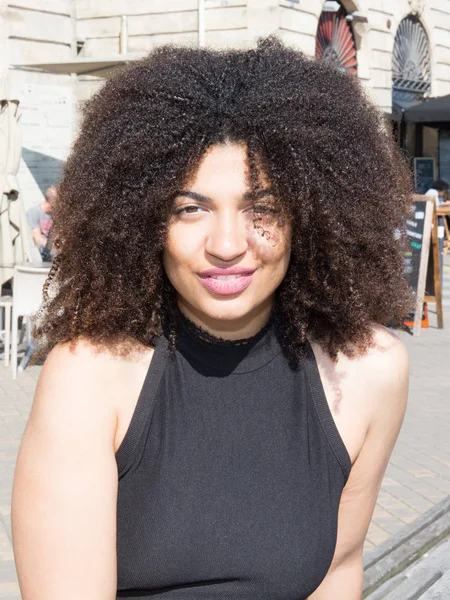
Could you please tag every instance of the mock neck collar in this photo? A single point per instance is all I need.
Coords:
(228, 356)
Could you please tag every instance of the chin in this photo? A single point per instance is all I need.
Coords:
(225, 311)
(235, 309)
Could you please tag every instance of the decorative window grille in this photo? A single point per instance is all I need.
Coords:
(411, 64)
(334, 40)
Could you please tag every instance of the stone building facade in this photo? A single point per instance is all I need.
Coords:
(39, 31)
(42, 31)
(240, 22)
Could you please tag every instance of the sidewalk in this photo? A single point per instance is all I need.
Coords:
(417, 478)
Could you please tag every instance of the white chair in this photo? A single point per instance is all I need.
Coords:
(33, 255)
(27, 297)
(6, 305)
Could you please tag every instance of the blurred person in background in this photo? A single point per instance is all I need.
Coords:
(439, 189)
(40, 220)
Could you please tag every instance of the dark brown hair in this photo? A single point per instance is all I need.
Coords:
(321, 143)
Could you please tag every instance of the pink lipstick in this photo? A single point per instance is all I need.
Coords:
(227, 280)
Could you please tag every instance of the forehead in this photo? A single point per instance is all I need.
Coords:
(222, 171)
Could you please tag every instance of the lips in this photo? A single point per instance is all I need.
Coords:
(227, 281)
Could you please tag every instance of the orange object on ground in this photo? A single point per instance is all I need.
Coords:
(424, 323)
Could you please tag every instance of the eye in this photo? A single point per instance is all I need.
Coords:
(188, 210)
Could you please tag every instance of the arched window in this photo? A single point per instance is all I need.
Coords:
(411, 64)
(334, 39)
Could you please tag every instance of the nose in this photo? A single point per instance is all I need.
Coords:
(227, 237)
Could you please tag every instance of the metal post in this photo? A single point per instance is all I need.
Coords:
(201, 23)
(73, 41)
(123, 36)
(419, 140)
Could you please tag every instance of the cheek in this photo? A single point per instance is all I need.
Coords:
(180, 246)
(175, 256)
(269, 242)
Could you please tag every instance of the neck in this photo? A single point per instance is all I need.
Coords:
(229, 328)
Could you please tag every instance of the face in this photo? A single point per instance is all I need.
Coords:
(227, 251)
(51, 198)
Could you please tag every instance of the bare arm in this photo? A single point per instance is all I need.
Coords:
(38, 238)
(65, 487)
(383, 380)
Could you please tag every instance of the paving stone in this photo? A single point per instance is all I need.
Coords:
(9, 590)
(390, 524)
(410, 497)
(7, 566)
(376, 535)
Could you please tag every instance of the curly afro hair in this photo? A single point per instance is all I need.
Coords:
(321, 143)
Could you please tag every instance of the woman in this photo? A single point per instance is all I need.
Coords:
(221, 399)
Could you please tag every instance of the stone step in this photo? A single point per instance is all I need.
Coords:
(389, 562)
(440, 590)
(418, 579)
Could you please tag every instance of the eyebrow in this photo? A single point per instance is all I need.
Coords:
(207, 200)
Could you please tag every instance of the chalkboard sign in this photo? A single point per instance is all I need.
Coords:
(418, 232)
(414, 232)
(423, 174)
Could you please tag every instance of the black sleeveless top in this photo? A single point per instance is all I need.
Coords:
(230, 476)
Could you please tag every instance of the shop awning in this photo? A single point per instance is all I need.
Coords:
(433, 112)
(99, 67)
(397, 111)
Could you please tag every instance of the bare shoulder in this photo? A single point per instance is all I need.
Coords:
(384, 371)
(85, 363)
(82, 381)
(367, 388)
(384, 365)
(387, 347)
(386, 368)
